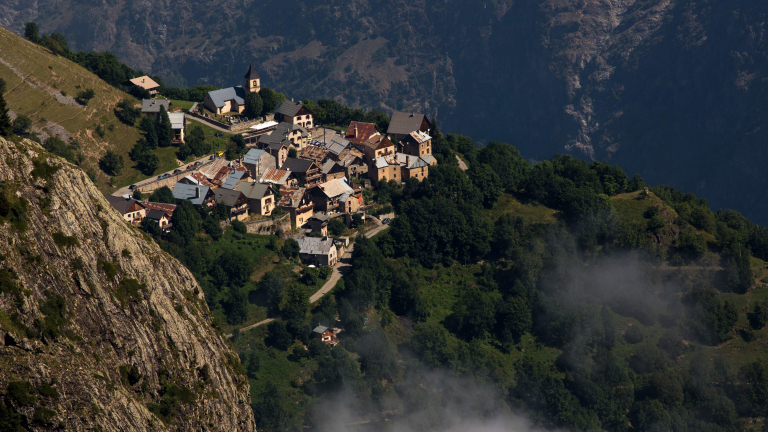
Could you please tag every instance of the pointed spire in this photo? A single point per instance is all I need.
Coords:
(251, 74)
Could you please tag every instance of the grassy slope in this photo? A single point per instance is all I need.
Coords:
(36, 75)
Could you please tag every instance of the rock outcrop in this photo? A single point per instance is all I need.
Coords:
(99, 328)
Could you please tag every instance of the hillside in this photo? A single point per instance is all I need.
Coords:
(43, 86)
(645, 84)
(99, 328)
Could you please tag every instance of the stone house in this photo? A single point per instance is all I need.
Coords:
(359, 132)
(133, 211)
(402, 124)
(232, 99)
(399, 167)
(307, 172)
(258, 162)
(291, 135)
(317, 251)
(235, 202)
(332, 171)
(416, 143)
(162, 218)
(376, 146)
(296, 202)
(294, 113)
(319, 223)
(279, 151)
(279, 178)
(261, 199)
(332, 196)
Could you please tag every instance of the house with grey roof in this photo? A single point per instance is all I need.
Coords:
(306, 171)
(294, 113)
(162, 218)
(261, 199)
(133, 211)
(258, 161)
(235, 202)
(231, 99)
(326, 335)
(332, 196)
(196, 194)
(151, 107)
(416, 143)
(233, 180)
(318, 251)
(336, 145)
(402, 124)
(319, 223)
(332, 171)
(179, 126)
(289, 134)
(399, 167)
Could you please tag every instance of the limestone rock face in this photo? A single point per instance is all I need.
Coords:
(92, 307)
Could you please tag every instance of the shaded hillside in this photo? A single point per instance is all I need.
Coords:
(671, 88)
(99, 328)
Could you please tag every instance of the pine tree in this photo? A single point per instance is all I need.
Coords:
(151, 136)
(164, 131)
(5, 120)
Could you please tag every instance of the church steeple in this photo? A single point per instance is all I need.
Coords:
(252, 80)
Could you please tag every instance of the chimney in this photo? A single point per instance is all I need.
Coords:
(197, 192)
(355, 130)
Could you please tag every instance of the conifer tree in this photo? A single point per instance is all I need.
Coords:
(151, 136)
(164, 131)
(5, 120)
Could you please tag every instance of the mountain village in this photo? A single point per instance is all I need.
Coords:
(293, 167)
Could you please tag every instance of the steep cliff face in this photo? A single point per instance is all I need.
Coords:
(100, 329)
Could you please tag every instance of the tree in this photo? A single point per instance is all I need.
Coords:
(290, 248)
(126, 113)
(239, 227)
(196, 141)
(513, 320)
(57, 43)
(487, 182)
(269, 100)
(111, 163)
(253, 105)
(32, 33)
(253, 364)
(164, 130)
(148, 163)
(272, 286)
(186, 221)
(151, 137)
(137, 195)
(212, 227)
(292, 153)
(507, 162)
(238, 306)
(758, 318)
(279, 336)
(21, 125)
(162, 195)
(85, 96)
(5, 120)
(336, 226)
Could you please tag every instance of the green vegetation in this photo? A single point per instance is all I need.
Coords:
(64, 241)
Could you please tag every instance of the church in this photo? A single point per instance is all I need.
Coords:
(232, 99)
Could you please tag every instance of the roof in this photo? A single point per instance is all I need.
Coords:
(195, 194)
(277, 145)
(199, 178)
(419, 136)
(153, 105)
(254, 190)
(210, 171)
(167, 208)
(145, 82)
(378, 141)
(251, 74)
(177, 120)
(321, 217)
(233, 179)
(230, 93)
(359, 131)
(320, 329)
(293, 197)
(289, 108)
(327, 166)
(156, 214)
(276, 176)
(428, 158)
(253, 156)
(404, 123)
(385, 161)
(227, 196)
(313, 153)
(336, 144)
(264, 125)
(315, 246)
(121, 204)
(297, 165)
(335, 188)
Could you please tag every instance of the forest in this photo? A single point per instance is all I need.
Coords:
(563, 291)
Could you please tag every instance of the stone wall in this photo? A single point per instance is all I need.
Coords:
(269, 226)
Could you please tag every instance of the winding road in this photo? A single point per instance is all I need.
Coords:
(343, 267)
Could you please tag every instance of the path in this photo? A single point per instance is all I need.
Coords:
(462, 164)
(210, 125)
(344, 266)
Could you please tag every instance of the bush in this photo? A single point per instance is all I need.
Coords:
(65, 241)
(239, 227)
(84, 96)
(336, 226)
(111, 163)
(21, 125)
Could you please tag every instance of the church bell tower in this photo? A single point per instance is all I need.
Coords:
(252, 81)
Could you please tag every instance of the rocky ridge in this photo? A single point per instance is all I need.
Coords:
(93, 309)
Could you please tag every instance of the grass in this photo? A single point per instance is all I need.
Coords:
(184, 105)
(631, 209)
(533, 212)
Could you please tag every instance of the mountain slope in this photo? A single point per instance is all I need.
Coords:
(118, 328)
(671, 88)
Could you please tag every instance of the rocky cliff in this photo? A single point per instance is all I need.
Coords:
(99, 328)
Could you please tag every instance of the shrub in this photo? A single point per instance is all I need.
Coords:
(43, 169)
(336, 226)
(239, 227)
(129, 290)
(129, 374)
(84, 96)
(64, 241)
(43, 415)
(108, 268)
(21, 393)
